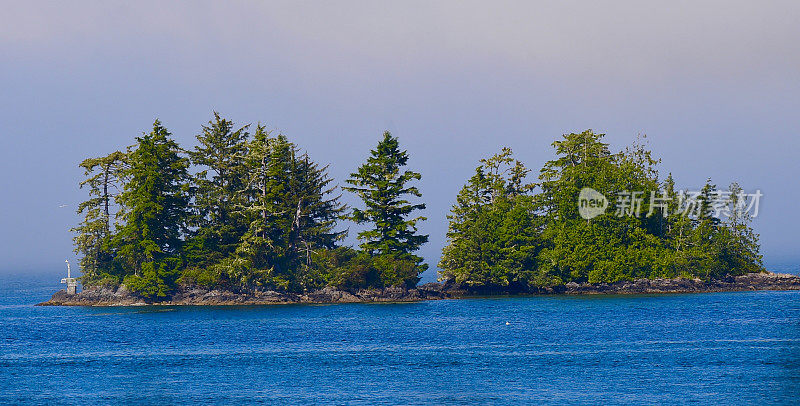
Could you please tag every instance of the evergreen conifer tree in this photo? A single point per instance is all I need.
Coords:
(384, 188)
(156, 200)
(217, 194)
(93, 234)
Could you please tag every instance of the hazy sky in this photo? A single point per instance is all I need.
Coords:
(714, 85)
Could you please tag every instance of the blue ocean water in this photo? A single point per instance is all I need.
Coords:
(726, 348)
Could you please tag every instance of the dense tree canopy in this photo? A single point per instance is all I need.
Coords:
(505, 235)
(246, 211)
(240, 211)
(494, 231)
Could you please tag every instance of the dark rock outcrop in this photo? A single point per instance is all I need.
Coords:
(753, 281)
(193, 295)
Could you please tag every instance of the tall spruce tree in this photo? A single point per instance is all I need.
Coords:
(155, 198)
(742, 249)
(708, 237)
(316, 213)
(218, 197)
(583, 160)
(384, 189)
(292, 215)
(264, 246)
(93, 234)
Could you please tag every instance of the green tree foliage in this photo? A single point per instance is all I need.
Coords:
(291, 217)
(384, 189)
(93, 234)
(217, 219)
(494, 229)
(551, 244)
(260, 214)
(155, 200)
(257, 214)
(576, 249)
(740, 247)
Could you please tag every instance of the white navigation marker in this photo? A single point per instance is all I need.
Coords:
(72, 283)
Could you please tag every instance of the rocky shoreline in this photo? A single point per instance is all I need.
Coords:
(195, 296)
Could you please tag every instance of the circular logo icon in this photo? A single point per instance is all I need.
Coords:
(591, 203)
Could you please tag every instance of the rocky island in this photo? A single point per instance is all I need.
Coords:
(248, 218)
